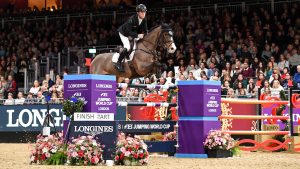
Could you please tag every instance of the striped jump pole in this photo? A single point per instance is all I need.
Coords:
(249, 132)
(249, 101)
(148, 104)
(247, 117)
(147, 86)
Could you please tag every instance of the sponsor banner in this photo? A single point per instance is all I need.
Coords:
(80, 90)
(203, 100)
(29, 117)
(104, 132)
(267, 111)
(97, 91)
(94, 117)
(103, 96)
(146, 126)
(240, 109)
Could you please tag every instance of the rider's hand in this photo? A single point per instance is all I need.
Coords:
(140, 36)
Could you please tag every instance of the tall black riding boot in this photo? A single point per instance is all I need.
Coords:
(119, 65)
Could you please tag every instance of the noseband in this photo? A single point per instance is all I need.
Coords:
(160, 42)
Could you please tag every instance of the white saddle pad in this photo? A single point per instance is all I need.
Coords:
(116, 55)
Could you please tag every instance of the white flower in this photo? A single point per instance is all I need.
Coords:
(47, 155)
(82, 148)
(83, 137)
(74, 154)
(122, 149)
(94, 143)
(54, 150)
(145, 146)
(45, 149)
(32, 158)
(127, 154)
(79, 142)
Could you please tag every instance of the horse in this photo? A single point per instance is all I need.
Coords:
(144, 60)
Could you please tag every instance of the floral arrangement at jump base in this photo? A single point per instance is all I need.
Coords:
(84, 150)
(51, 150)
(48, 150)
(220, 145)
(131, 151)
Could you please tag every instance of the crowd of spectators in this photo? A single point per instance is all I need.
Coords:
(245, 51)
(253, 51)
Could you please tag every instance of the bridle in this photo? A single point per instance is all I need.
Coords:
(160, 42)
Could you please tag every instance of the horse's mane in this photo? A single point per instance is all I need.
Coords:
(164, 26)
(154, 28)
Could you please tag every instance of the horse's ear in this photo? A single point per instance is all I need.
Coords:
(165, 26)
(172, 25)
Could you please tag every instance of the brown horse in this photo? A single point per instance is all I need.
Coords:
(143, 62)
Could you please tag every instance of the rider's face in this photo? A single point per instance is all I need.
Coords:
(141, 14)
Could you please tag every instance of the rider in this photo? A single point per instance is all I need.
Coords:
(135, 27)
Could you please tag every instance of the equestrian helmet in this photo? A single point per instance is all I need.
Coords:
(141, 8)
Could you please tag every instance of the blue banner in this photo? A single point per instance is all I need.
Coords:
(146, 126)
(29, 117)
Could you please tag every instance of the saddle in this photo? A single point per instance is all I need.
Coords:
(131, 41)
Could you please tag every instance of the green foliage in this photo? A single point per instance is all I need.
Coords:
(72, 105)
(59, 158)
(236, 151)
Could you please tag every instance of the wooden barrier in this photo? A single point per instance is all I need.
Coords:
(252, 117)
(247, 132)
(250, 101)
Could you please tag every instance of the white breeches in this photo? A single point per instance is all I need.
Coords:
(125, 41)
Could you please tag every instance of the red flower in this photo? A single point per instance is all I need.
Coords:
(129, 149)
(93, 161)
(80, 153)
(135, 156)
(43, 157)
(141, 155)
(117, 158)
(122, 156)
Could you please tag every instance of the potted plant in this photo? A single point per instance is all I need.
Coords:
(49, 150)
(52, 150)
(84, 150)
(131, 151)
(220, 145)
(72, 105)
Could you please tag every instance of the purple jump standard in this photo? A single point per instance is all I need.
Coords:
(199, 105)
(98, 91)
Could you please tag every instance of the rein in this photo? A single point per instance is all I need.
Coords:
(158, 43)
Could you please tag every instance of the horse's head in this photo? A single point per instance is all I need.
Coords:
(166, 38)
